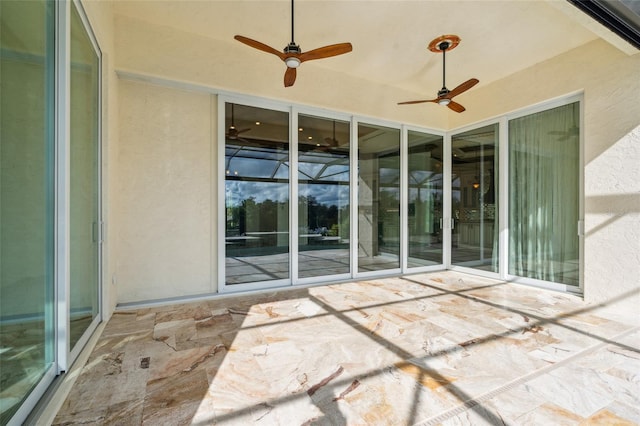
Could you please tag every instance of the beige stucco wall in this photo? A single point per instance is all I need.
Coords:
(609, 79)
(164, 190)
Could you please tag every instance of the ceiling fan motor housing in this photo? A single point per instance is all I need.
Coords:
(292, 48)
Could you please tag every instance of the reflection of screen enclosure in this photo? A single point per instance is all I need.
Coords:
(323, 197)
(425, 199)
(378, 198)
(474, 201)
(256, 194)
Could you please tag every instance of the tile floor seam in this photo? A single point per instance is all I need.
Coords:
(472, 402)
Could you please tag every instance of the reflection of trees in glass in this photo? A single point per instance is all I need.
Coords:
(389, 202)
(323, 218)
(252, 216)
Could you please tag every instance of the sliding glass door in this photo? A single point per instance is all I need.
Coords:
(256, 194)
(378, 198)
(85, 229)
(544, 185)
(26, 200)
(323, 197)
(474, 199)
(264, 244)
(425, 179)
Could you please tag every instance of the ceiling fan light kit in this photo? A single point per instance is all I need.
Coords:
(292, 62)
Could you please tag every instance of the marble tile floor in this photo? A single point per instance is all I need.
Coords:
(435, 348)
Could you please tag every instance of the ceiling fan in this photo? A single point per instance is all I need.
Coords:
(571, 132)
(445, 96)
(232, 132)
(293, 56)
(332, 141)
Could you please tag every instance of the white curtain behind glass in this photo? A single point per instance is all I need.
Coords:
(543, 195)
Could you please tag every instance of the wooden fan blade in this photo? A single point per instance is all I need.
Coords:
(456, 106)
(417, 102)
(462, 88)
(243, 130)
(326, 52)
(260, 46)
(289, 77)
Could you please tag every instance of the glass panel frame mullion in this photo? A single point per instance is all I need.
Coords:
(97, 228)
(293, 196)
(438, 224)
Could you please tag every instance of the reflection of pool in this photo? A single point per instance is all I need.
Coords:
(240, 240)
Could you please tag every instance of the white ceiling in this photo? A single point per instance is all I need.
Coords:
(389, 38)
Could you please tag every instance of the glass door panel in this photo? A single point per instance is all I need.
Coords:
(26, 200)
(425, 199)
(474, 199)
(85, 181)
(256, 194)
(378, 198)
(323, 197)
(544, 185)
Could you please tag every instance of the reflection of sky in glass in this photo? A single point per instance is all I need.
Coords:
(335, 173)
(329, 195)
(237, 191)
(309, 170)
(255, 152)
(246, 167)
(282, 172)
(338, 173)
(255, 162)
(389, 175)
